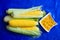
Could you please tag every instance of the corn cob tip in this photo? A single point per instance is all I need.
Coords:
(9, 11)
(7, 18)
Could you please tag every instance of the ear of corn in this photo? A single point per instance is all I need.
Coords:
(22, 23)
(7, 18)
(26, 31)
(10, 11)
(34, 12)
(29, 14)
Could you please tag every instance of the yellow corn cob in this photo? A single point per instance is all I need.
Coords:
(10, 11)
(29, 14)
(34, 12)
(22, 23)
(32, 31)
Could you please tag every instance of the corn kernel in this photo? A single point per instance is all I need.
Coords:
(47, 22)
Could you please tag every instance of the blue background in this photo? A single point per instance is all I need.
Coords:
(52, 6)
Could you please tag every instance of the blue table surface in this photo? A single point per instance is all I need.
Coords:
(52, 6)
